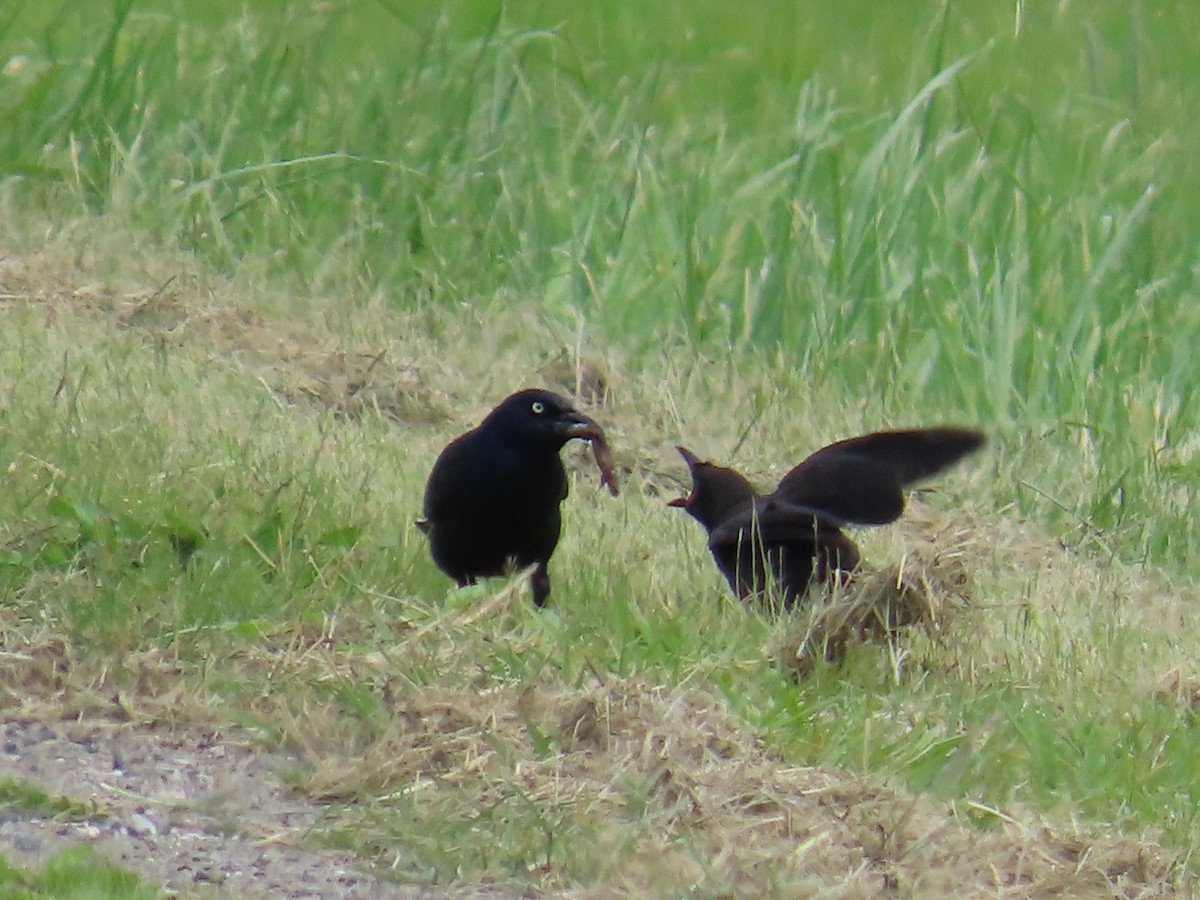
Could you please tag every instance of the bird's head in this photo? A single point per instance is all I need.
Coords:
(717, 492)
(540, 417)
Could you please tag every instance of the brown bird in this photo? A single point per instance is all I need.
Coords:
(492, 502)
(795, 532)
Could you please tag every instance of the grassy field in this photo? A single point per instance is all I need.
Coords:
(257, 269)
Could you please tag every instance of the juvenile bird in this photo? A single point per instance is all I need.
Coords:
(795, 532)
(493, 498)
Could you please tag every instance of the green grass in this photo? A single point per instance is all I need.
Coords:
(19, 795)
(937, 211)
(308, 606)
(72, 875)
(766, 230)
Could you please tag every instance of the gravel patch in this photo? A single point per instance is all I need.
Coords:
(190, 811)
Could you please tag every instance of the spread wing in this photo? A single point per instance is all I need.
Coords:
(862, 479)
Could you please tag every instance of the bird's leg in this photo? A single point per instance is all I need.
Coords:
(539, 581)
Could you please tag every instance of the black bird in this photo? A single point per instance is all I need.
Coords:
(492, 500)
(795, 532)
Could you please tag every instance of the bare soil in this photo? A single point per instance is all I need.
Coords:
(196, 812)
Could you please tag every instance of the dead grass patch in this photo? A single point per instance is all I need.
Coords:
(929, 589)
(677, 796)
(301, 361)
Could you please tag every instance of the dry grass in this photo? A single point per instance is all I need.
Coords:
(644, 788)
(631, 784)
(675, 795)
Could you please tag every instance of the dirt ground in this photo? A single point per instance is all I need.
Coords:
(196, 812)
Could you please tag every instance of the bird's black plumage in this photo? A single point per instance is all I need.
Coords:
(493, 498)
(795, 532)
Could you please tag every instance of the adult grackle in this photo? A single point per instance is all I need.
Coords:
(795, 532)
(493, 498)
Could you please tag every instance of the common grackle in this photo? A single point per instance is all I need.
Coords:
(493, 498)
(795, 532)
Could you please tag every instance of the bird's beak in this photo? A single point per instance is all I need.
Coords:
(689, 457)
(576, 425)
(692, 460)
(572, 424)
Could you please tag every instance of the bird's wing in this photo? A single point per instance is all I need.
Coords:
(862, 479)
(797, 544)
(772, 522)
(455, 479)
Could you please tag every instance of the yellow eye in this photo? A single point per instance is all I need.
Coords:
(538, 407)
